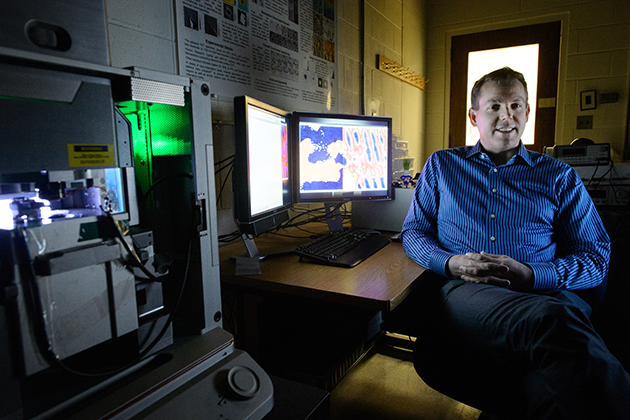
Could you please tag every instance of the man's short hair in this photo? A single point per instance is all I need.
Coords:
(504, 76)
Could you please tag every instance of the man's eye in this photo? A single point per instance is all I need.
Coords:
(496, 107)
(516, 106)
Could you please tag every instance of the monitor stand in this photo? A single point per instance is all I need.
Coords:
(249, 263)
(333, 216)
(250, 245)
(253, 252)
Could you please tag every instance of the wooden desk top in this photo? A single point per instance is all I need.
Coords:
(381, 282)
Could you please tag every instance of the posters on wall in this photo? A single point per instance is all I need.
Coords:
(282, 52)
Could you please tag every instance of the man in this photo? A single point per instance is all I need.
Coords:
(508, 235)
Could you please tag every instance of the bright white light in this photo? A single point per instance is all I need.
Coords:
(6, 216)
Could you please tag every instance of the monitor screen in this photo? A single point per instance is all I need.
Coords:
(261, 179)
(340, 158)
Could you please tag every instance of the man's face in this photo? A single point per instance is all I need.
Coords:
(501, 117)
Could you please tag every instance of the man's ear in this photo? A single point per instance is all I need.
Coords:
(473, 117)
(527, 113)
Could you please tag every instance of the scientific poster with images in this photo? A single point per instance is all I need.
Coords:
(282, 52)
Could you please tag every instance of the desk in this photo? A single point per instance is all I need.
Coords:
(377, 285)
(381, 282)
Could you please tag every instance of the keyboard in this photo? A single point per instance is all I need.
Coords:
(343, 248)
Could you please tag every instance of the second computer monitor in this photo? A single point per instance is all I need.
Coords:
(262, 171)
(341, 158)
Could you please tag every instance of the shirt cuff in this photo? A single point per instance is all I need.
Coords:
(545, 277)
(438, 261)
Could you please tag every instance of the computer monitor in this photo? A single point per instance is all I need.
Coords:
(340, 158)
(262, 173)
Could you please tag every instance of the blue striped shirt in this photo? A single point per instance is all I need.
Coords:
(534, 209)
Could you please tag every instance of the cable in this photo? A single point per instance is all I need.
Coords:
(33, 298)
(169, 320)
(36, 312)
(224, 183)
(231, 163)
(225, 160)
(318, 215)
(159, 181)
(148, 273)
(593, 176)
(229, 237)
(610, 165)
(132, 252)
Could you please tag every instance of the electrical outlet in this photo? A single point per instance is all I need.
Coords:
(584, 122)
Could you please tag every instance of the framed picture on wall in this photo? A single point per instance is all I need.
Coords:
(587, 100)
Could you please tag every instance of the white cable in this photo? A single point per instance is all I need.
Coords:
(41, 246)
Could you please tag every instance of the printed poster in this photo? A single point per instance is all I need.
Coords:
(282, 52)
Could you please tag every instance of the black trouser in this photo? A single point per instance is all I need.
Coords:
(533, 355)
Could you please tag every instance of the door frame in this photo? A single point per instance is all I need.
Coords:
(561, 99)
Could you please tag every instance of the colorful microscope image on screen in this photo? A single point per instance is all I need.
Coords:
(343, 158)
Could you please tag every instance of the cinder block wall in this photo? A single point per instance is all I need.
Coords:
(397, 30)
(142, 33)
(595, 55)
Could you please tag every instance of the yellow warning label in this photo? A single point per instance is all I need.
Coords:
(91, 155)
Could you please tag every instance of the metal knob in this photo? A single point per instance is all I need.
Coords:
(243, 382)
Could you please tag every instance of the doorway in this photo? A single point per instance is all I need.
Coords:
(542, 91)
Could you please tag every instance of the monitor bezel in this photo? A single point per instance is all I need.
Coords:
(299, 198)
(272, 218)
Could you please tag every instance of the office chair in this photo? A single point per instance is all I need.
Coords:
(498, 391)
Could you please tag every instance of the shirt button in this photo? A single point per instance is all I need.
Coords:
(492, 238)
(494, 190)
(495, 170)
(492, 216)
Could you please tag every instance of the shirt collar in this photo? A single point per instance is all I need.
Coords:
(522, 154)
